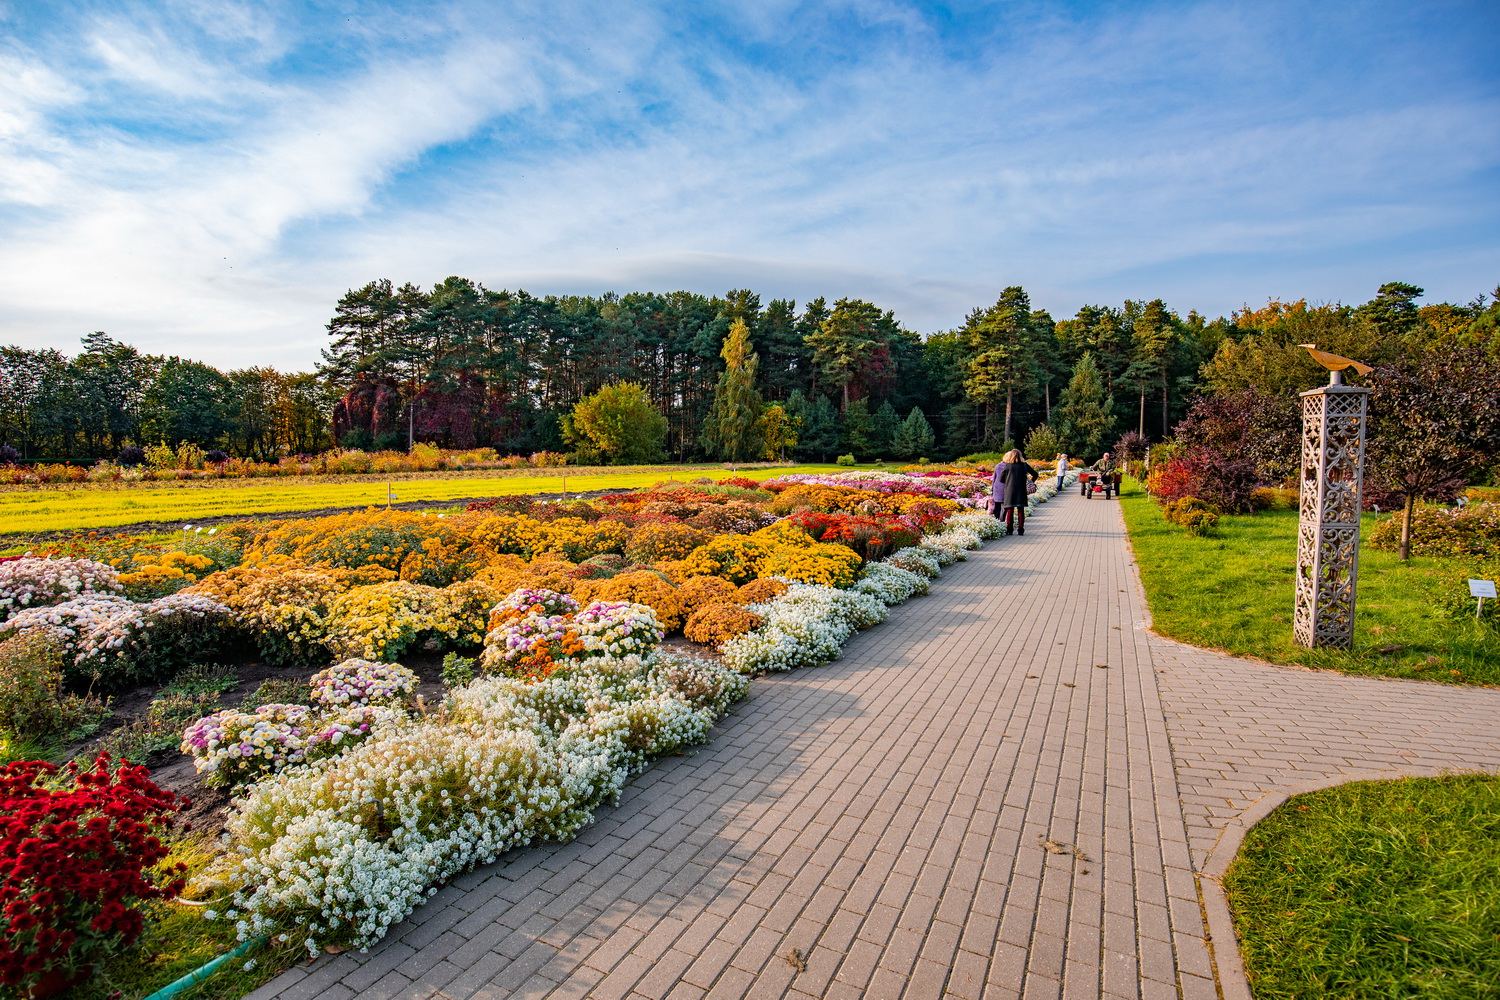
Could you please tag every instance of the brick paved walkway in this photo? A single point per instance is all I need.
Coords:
(1003, 791)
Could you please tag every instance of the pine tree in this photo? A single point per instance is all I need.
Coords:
(1084, 420)
(731, 431)
(914, 438)
(857, 428)
(819, 437)
(883, 427)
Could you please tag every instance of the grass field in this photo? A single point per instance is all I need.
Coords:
(1374, 889)
(29, 510)
(1234, 593)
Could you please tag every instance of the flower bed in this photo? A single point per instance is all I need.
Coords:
(353, 806)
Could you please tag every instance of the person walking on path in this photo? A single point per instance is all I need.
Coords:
(1062, 469)
(1008, 490)
(1107, 472)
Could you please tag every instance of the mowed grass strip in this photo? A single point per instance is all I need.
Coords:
(1384, 889)
(89, 506)
(1234, 592)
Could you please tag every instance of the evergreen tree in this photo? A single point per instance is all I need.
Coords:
(1153, 336)
(731, 431)
(819, 437)
(857, 428)
(914, 438)
(1002, 346)
(1084, 417)
(883, 427)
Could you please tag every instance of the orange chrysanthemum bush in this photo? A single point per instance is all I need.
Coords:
(510, 572)
(760, 591)
(699, 591)
(715, 624)
(637, 587)
(651, 542)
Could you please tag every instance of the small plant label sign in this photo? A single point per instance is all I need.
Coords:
(1481, 589)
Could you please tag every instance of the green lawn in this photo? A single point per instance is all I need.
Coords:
(1384, 890)
(86, 506)
(1234, 592)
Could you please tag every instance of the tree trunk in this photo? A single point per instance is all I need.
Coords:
(1009, 397)
(1142, 428)
(1165, 430)
(1047, 398)
(1404, 552)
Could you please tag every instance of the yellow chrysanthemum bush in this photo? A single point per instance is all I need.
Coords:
(366, 538)
(736, 558)
(572, 537)
(157, 574)
(827, 563)
(379, 622)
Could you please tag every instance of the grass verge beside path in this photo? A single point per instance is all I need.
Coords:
(1374, 889)
(1234, 592)
(89, 506)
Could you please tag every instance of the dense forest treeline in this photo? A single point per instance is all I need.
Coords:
(460, 365)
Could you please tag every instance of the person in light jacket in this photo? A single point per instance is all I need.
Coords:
(1062, 469)
(1008, 490)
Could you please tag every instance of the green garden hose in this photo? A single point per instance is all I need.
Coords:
(204, 971)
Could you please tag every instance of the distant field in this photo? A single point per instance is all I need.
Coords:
(88, 506)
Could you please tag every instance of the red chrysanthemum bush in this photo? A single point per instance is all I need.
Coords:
(872, 536)
(76, 852)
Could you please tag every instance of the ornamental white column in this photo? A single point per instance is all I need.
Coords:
(1333, 465)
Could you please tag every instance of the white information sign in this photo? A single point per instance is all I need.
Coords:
(1482, 588)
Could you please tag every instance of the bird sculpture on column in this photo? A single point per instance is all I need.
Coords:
(1335, 364)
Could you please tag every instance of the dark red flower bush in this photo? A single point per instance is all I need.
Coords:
(76, 849)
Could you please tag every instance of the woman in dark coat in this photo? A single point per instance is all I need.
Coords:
(1008, 490)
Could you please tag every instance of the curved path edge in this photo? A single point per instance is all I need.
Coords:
(1234, 983)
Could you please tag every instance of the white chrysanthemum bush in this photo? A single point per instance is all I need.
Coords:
(340, 849)
(111, 642)
(31, 582)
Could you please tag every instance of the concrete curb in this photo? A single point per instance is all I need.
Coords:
(1233, 982)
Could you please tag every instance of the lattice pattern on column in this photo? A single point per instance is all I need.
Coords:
(1333, 458)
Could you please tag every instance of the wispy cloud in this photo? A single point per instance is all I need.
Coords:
(206, 179)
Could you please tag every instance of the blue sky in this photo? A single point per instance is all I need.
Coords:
(206, 178)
